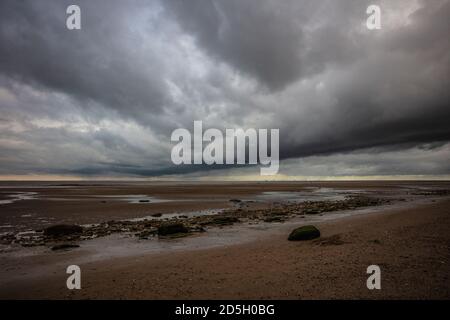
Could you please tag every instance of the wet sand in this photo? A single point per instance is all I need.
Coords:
(89, 202)
(410, 243)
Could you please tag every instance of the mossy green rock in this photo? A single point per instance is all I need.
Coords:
(304, 233)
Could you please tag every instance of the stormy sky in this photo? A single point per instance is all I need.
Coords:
(103, 101)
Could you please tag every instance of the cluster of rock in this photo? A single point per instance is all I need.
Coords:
(182, 225)
(432, 192)
(283, 212)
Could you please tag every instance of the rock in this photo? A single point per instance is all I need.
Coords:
(168, 228)
(224, 220)
(304, 233)
(310, 211)
(235, 200)
(274, 219)
(157, 215)
(144, 201)
(62, 230)
(64, 246)
(197, 229)
(334, 240)
(146, 233)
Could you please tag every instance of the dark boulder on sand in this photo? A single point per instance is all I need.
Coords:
(64, 246)
(304, 233)
(168, 228)
(62, 230)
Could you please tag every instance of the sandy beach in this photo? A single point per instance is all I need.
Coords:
(224, 150)
(409, 241)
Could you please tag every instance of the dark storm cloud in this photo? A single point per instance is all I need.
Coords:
(263, 42)
(277, 42)
(104, 99)
(388, 89)
(95, 64)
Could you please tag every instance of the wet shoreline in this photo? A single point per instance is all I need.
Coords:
(36, 262)
(263, 207)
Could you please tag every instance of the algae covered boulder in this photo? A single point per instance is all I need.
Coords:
(168, 228)
(304, 233)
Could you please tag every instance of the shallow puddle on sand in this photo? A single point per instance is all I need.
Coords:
(135, 198)
(182, 214)
(314, 194)
(18, 196)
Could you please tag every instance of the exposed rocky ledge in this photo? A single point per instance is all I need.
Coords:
(183, 226)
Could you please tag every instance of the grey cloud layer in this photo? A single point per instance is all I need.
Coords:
(106, 98)
(385, 89)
